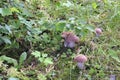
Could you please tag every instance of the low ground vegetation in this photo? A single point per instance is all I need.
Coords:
(33, 45)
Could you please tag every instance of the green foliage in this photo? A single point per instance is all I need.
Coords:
(11, 78)
(41, 77)
(9, 60)
(33, 28)
(42, 57)
(114, 55)
(5, 11)
(23, 57)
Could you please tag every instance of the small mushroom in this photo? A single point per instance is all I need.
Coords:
(69, 39)
(98, 31)
(80, 59)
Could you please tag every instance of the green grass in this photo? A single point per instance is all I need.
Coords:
(36, 25)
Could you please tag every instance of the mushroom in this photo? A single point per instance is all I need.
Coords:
(80, 59)
(98, 31)
(69, 39)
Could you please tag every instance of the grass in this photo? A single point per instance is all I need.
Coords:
(51, 18)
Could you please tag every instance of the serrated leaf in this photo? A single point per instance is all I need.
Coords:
(41, 59)
(24, 21)
(48, 61)
(44, 55)
(36, 54)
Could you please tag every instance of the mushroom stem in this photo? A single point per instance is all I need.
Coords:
(97, 35)
(112, 77)
(80, 65)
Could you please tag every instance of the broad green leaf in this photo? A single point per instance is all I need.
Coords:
(9, 60)
(5, 11)
(24, 21)
(23, 57)
(6, 40)
(8, 28)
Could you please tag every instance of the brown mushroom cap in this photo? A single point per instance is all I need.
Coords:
(64, 34)
(70, 36)
(80, 58)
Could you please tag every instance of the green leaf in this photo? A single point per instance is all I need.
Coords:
(13, 9)
(60, 26)
(94, 5)
(9, 60)
(44, 55)
(41, 77)
(24, 21)
(5, 11)
(63, 55)
(26, 12)
(6, 40)
(8, 28)
(90, 28)
(114, 55)
(67, 4)
(79, 28)
(23, 57)
(105, 1)
(41, 59)
(37, 54)
(92, 71)
(48, 61)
